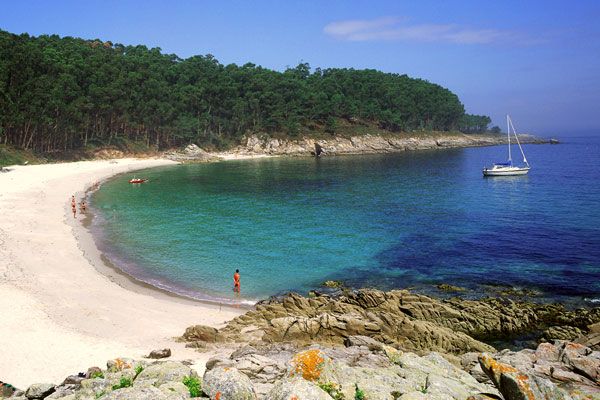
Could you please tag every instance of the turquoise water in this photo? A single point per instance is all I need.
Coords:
(412, 219)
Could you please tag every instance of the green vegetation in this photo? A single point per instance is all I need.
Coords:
(123, 383)
(194, 386)
(11, 156)
(332, 389)
(474, 123)
(97, 374)
(358, 394)
(100, 394)
(68, 94)
(138, 368)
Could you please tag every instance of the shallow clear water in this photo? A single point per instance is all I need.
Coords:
(408, 219)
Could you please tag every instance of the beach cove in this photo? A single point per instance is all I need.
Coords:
(56, 308)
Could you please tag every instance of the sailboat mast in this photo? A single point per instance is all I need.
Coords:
(508, 134)
(519, 143)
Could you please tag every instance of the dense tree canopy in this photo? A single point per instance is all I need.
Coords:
(67, 93)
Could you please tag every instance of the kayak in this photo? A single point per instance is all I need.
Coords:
(137, 180)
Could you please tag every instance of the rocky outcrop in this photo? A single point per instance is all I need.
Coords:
(341, 371)
(365, 144)
(562, 370)
(399, 318)
(191, 153)
(365, 369)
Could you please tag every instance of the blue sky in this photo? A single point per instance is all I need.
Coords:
(536, 60)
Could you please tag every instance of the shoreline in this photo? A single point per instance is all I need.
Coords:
(109, 268)
(57, 308)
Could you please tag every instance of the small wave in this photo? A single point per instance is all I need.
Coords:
(596, 300)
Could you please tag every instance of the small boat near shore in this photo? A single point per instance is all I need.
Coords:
(507, 168)
(138, 180)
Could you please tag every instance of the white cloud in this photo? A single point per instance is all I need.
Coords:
(395, 28)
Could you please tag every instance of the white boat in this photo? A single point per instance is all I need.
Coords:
(507, 168)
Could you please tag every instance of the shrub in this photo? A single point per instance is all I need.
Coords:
(97, 374)
(123, 383)
(358, 394)
(194, 386)
(138, 368)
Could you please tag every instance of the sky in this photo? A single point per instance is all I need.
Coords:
(538, 61)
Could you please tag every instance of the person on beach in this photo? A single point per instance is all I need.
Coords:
(82, 206)
(73, 206)
(236, 281)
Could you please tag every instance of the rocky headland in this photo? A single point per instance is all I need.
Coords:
(365, 344)
(256, 145)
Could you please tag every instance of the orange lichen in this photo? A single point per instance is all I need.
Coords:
(524, 386)
(121, 365)
(218, 396)
(309, 364)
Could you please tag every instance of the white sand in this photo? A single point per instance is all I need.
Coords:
(58, 314)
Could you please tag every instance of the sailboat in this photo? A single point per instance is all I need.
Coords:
(507, 168)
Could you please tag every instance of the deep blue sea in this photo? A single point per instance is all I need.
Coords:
(413, 219)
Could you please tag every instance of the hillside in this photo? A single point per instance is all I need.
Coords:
(67, 94)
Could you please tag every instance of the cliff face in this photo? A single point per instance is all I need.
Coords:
(366, 144)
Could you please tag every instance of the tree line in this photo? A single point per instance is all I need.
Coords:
(59, 94)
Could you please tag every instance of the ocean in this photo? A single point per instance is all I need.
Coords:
(405, 220)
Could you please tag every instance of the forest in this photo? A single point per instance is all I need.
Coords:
(60, 94)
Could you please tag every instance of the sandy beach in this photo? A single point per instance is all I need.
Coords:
(60, 315)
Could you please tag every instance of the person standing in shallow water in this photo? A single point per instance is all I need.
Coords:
(236, 281)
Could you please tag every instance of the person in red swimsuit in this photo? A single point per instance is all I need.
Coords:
(236, 281)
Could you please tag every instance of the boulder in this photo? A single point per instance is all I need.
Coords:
(177, 387)
(39, 391)
(92, 372)
(230, 383)
(163, 372)
(296, 389)
(143, 393)
(516, 385)
(119, 364)
(64, 390)
(162, 353)
(201, 332)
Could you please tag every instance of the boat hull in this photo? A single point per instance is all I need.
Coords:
(505, 171)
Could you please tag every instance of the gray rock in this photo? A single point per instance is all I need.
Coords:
(142, 393)
(177, 387)
(295, 389)
(232, 384)
(64, 390)
(163, 372)
(359, 340)
(162, 353)
(39, 391)
(516, 385)
(73, 380)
